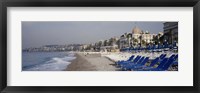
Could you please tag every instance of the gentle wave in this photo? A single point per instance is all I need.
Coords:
(55, 64)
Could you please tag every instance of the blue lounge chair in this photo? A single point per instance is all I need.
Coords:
(172, 56)
(162, 63)
(138, 65)
(165, 66)
(175, 63)
(130, 58)
(176, 57)
(155, 61)
(159, 48)
(163, 56)
(127, 62)
(124, 67)
(135, 61)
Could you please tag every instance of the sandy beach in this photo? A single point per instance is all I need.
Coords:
(91, 62)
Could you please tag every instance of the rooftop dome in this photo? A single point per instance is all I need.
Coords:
(136, 30)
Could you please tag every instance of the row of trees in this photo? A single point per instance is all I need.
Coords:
(127, 40)
(131, 41)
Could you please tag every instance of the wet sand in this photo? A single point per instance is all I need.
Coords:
(91, 62)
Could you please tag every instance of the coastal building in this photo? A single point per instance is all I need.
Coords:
(136, 33)
(147, 37)
(84, 46)
(171, 32)
(113, 48)
(140, 36)
(123, 42)
(137, 37)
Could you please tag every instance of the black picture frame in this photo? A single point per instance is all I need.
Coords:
(97, 3)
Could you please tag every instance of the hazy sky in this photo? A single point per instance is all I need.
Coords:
(36, 34)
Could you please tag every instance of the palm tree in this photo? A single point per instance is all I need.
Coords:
(161, 39)
(135, 41)
(140, 37)
(110, 42)
(155, 39)
(143, 42)
(118, 43)
(132, 42)
(100, 43)
(129, 36)
(105, 43)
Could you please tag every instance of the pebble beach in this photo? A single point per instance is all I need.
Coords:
(91, 62)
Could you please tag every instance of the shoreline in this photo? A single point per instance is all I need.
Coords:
(91, 62)
(80, 64)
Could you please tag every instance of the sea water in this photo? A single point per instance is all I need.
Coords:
(46, 61)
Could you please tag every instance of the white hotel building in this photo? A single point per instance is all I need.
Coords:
(137, 36)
